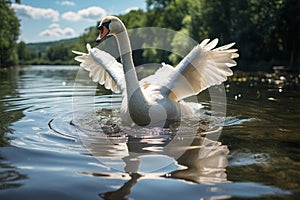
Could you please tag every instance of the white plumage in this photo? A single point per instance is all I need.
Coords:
(156, 99)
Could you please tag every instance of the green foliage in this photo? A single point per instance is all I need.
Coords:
(48, 53)
(59, 52)
(25, 54)
(134, 19)
(42, 47)
(89, 36)
(180, 44)
(9, 32)
(266, 32)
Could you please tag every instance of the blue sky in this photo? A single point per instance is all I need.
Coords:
(48, 20)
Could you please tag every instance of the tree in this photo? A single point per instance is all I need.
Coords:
(24, 54)
(266, 32)
(288, 27)
(21, 48)
(60, 52)
(9, 33)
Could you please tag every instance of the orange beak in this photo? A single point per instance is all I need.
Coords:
(103, 32)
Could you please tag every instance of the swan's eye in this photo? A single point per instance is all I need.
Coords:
(101, 29)
(106, 24)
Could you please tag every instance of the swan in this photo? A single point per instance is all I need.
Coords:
(156, 100)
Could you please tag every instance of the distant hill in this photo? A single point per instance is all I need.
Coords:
(42, 46)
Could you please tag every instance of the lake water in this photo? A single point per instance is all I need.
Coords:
(51, 150)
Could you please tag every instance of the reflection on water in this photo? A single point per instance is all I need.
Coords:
(203, 162)
(9, 81)
(10, 177)
(48, 153)
(151, 151)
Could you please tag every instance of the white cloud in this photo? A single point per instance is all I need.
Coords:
(55, 31)
(54, 25)
(67, 3)
(91, 14)
(131, 8)
(71, 16)
(35, 13)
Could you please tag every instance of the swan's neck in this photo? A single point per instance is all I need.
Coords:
(124, 46)
(137, 104)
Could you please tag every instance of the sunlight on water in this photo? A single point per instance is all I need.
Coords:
(46, 151)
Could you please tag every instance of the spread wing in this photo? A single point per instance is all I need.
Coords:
(203, 67)
(103, 68)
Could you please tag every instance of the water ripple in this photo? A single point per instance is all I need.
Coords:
(46, 144)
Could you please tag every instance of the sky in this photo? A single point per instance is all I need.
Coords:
(50, 20)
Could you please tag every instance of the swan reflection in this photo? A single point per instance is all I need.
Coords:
(150, 156)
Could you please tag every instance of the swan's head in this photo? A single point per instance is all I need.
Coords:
(109, 25)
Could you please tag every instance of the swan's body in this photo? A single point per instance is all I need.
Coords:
(156, 100)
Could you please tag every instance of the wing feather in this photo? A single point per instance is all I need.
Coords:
(203, 67)
(103, 68)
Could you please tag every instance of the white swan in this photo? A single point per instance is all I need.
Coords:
(157, 99)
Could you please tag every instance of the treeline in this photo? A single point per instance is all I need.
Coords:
(9, 33)
(58, 53)
(266, 32)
